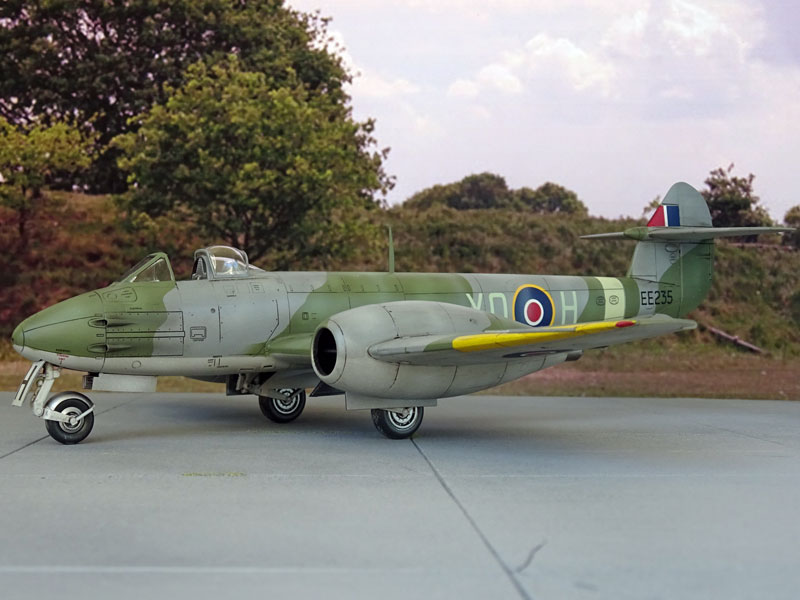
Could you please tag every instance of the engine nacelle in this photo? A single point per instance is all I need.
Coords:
(341, 359)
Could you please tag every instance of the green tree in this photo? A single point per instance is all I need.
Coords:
(484, 190)
(551, 198)
(259, 167)
(437, 195)
(488, 190)
(732, 201)
(792, 219)
(31, 158)
(102, 63)
(478, 191)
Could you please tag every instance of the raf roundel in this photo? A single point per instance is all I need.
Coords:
(533, 306)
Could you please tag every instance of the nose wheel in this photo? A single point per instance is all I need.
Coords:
(69, 419)
(398, 423)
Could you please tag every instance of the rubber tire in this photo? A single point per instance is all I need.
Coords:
(387, 424)
(271, 408)
(56, 430)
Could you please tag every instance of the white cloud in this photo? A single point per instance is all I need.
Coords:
(615, 100)
(542, 58)
(478, 111)
(691, 29)
(463, 87)
(626, 34)
(468, 8)
(366, 82)
(671, 51)
(499, 77)
(562, 58)
(426, 127)
(375, 86)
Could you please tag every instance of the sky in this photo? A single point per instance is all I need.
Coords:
(614, 100)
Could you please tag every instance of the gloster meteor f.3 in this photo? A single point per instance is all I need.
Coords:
(392, 343)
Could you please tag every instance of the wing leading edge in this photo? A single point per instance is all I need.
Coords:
(496, 346)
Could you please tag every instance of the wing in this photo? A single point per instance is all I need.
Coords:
(499, 346)
(292, 351)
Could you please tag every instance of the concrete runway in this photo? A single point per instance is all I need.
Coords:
(183, 496)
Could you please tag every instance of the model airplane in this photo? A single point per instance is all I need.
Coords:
(390, 342)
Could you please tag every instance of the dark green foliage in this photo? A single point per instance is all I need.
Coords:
(503, 241)
(732, 201)
(753, 295)
(258, 167)
(794, 307)
(31, 159)
(484, 190)
(490, 191)
(550, 198)
(105, 62)
(792, 219)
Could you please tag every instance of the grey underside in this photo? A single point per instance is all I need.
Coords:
(187, 496)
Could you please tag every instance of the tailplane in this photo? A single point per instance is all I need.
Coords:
(676, 248)
(683, 216)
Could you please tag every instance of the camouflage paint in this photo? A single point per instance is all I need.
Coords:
(266, 319)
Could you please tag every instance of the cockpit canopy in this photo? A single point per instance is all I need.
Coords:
(214, 262)
(153, 267)
(221, 262)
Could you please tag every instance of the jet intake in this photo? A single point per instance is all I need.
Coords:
(324, 351)
(341, 356)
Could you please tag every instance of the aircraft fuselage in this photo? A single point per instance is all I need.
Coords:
(206, 328)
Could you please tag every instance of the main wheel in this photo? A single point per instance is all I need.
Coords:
(285, 409)
(68, 433)
(398, 424)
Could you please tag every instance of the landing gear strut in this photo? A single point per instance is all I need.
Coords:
(69, 416)
(286, 406)
(398, 423)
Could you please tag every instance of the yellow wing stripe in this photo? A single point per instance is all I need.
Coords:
(493, 341)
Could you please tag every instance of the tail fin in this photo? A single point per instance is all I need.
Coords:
(683, 206)
(676, 249)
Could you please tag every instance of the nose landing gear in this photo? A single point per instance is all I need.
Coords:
(69, 416)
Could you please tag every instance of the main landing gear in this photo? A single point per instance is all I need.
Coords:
(286, 405)
(398, 423)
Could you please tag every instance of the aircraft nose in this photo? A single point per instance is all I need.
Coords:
(18, 338)
(64, 328)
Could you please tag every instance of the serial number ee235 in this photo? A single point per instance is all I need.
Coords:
(653, 297)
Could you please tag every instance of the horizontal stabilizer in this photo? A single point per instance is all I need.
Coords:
(684, 234)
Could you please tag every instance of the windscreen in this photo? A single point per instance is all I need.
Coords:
(140, 273)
